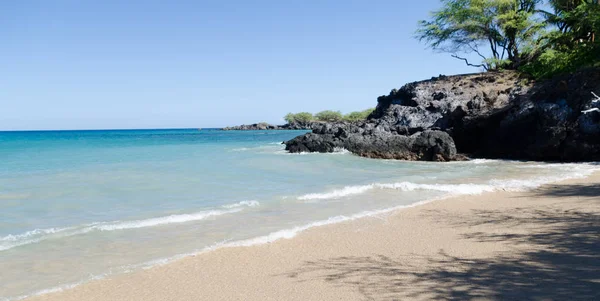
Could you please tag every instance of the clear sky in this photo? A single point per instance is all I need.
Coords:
(83, 64)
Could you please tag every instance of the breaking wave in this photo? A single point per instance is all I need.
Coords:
(570, 172)
(242, 204)
(34, 236)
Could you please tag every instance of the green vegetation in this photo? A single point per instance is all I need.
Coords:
(327, 116)
(517, 34)
(301, 118)
(358, 116)
(573, 42)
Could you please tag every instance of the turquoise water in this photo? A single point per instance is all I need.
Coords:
(81, 205)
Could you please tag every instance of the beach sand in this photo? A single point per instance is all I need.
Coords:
(541, 244)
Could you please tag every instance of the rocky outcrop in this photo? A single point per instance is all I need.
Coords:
(488, 115)
(252, 127)
(369, 141)
(546, 122)
(263, 126)
(301, 126)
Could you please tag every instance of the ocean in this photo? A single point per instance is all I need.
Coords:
(82, 205)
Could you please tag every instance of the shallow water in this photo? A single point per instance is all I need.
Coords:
(79, 205)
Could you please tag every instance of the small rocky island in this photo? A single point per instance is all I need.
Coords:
(263, 126)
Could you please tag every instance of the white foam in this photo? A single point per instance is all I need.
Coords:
(336, 151)
(286, 153)
(340, 151)
(404, 186)
(31, 233)
(565, 171)
(480, 161)
(576, 171)
(287, 233)
(171, 219)
(450, 188)
(38, 235)
(11, 241)
(243, 203)
(562, 166)
(338, 193)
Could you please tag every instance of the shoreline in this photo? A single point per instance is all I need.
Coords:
(179, 270)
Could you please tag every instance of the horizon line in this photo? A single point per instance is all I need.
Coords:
(111, 129)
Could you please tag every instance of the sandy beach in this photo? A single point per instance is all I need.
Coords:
(541, 244)
(300, 150)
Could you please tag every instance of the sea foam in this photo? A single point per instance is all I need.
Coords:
(38, 235)
(403, 186)
(31, 233)
(151, 222)
(242, 204)
(569, 171)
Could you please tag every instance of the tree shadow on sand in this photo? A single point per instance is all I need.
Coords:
(585, 191)
(561, 260)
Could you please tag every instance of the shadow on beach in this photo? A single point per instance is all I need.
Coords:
(587, 191)
(557, 258)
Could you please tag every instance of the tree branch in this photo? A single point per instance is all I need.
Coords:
(593, 101)
(476, 50)
(469, 64)
(597, 98)
(504, 49)
(590, 110)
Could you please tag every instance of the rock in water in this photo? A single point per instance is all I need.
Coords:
(373, 142)
(262, 126)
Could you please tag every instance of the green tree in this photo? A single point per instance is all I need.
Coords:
(358, 116)
(570, 42)
(576, 16)
(304, 117)
(329, 116)
(301, 118)
(504, 27)
(289, 118)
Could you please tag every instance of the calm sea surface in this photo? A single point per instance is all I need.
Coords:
(81, 205)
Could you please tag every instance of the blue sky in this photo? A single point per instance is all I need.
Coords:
(172, 64)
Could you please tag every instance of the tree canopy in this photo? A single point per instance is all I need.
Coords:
(515, 34)
(301, 118)
(327, 116)
(358, 116)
